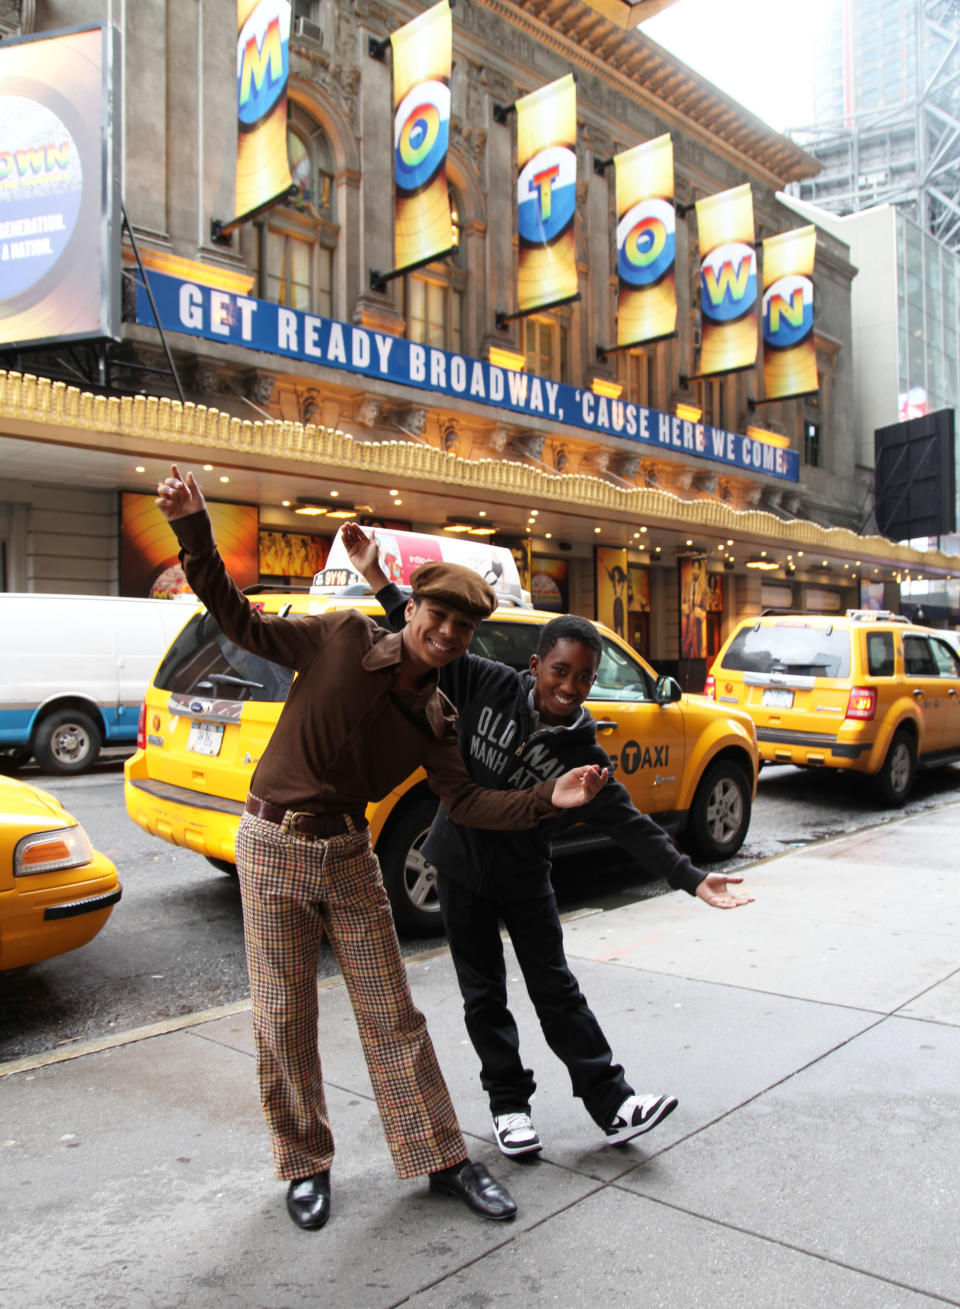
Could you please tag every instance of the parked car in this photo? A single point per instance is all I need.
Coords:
(211, 708)
(73, 671)
(868, 692)
(56, 891)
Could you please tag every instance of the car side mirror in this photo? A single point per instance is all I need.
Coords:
(668, 690)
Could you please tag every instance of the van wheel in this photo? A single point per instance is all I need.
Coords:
(895, 779)
(720, 813)
(66, 742)
(411, 883)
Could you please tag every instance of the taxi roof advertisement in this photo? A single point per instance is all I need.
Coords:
(60, 187)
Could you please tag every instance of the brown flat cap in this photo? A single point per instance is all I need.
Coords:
(460, 588)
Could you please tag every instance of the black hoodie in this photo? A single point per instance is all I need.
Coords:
(504, 747)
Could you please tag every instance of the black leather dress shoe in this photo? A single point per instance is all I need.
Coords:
(308, 1201)
(479, 1190)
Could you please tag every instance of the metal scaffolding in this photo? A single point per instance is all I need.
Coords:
(906, 154)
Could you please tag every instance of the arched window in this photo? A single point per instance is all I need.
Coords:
(295, 240)
(433, 295)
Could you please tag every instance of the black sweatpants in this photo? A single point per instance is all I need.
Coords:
(572, 1032)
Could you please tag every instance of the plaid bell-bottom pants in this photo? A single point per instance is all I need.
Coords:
(295, 888)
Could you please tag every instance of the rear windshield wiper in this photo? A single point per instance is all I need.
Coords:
(234, 681)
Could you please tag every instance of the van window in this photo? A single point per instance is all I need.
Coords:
(880, 654)
(202, 661)
(806, 651)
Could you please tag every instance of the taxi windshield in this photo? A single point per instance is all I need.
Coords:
(822, 651)
(202, 661)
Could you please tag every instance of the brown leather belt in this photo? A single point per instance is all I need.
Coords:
(308, 824)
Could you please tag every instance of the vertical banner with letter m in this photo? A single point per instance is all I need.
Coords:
(728, 281)
(547, 195)
(422, 57)
(263, 69)
(789, 352)
(646, 243)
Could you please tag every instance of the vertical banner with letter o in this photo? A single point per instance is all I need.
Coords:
(646, 243)
(547, 195)
(422, 57)
(263, 68)
(728, 281)
(789, 353)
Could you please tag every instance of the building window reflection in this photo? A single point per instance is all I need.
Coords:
(295, 241)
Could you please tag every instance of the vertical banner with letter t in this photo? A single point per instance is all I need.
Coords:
(547, 195)
(728, 281)
(789, 352)
(422, 57)
(646, 243)
(263, 69)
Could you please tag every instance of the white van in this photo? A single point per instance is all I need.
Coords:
(74, 669)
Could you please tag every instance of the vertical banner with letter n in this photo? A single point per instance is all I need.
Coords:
(263, 68)
(728, 281)
(789, 352)
(646, 243)
(422, 57)
(547, 195)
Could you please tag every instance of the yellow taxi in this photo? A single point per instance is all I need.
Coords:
(56, 891)
(868, 691)
(212, 706)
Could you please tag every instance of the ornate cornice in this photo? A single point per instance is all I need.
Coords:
(34, 407)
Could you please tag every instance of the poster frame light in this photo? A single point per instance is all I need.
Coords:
(89, 260)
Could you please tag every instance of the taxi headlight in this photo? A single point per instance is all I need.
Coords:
(46, 852)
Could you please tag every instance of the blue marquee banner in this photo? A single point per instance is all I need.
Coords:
(251, 324)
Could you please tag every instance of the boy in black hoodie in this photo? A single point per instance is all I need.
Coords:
(515, 729)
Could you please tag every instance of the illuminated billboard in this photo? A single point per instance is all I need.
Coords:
(728, 281)
(547, 195)
(60, 187)
(422, 56)
(646, 243)
(789, 351)
(263, 70)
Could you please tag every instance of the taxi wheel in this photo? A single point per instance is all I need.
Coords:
(222, 865)
(720, 813)
(411, 882)
(66, 742)
(895, 779)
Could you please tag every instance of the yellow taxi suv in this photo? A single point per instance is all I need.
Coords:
(56, 891)
(869, 692)
(210, 710)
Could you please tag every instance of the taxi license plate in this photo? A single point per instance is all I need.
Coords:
(775, 698)
(205, 738)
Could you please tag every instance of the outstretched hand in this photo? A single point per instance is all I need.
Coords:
(364, 554)
(178, 496)
(713, 891)
(579, 785)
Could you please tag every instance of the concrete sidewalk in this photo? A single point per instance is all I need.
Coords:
(813, 1039)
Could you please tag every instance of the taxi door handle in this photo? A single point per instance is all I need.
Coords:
(952, 691)
(606, 724)
(918, 692)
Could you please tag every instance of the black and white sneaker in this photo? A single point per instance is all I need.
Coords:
(638, 1114)
(515, 1134)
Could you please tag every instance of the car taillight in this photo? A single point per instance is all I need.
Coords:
(710, 686)
(142, 727)
(862, 703)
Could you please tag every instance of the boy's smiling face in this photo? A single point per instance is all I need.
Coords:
(565, 676)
